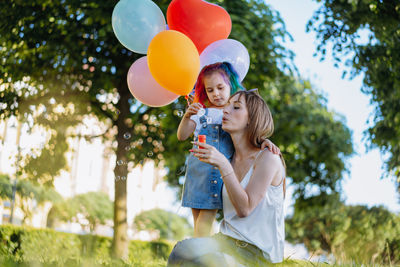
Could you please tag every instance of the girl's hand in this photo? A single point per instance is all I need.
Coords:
(271, 147)
(193, 109)
(189, 99)
(209, 154)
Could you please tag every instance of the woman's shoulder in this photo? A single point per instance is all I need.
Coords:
(268, 166)
(265, 156)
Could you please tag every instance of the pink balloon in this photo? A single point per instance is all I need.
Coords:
(144, 88)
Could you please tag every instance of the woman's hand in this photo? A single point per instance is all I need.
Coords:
(271, 146)
(210, 154)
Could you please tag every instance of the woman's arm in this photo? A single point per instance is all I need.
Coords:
(187, 126)
(267, 169)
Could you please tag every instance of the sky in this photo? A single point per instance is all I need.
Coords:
(363, 185)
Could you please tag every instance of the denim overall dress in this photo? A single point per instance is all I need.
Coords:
(203, 183)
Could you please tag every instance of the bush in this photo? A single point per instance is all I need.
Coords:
(350, 233)
(27, 246)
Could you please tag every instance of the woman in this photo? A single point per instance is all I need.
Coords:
(252, 231)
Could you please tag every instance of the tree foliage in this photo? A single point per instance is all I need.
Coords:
(5, 187)
(28, 195)
(169, 225)
(261, 31)
(61, 61)
(89, 210)
(350, 233)
(344, 25)
(314, 141)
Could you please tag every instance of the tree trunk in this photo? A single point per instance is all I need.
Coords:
(105, 166)
(50, 221)
(120, 242)
(120, 239)
(75, 163)
(3, 141)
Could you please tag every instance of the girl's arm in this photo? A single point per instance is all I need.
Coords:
(271, 146)
(187, 126)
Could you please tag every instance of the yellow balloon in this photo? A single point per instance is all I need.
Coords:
(174, 61)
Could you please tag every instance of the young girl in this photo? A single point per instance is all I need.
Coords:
(203, 183)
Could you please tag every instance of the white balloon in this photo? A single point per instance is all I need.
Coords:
(228, 50)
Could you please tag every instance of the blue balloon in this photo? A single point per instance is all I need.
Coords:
(136, 22)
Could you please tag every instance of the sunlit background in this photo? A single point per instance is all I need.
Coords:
(92, 161)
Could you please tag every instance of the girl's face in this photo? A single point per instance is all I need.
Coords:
(217, 89)
(236, 115)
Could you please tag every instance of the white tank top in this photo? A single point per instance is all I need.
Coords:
(264, 227)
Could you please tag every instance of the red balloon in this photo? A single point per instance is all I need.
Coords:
(203, 22)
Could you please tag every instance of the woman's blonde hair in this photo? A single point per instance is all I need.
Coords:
(260, 125)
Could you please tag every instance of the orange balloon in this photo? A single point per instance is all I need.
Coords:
(173, 61)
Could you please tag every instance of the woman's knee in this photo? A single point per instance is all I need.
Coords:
(191, 249)
(178, 254)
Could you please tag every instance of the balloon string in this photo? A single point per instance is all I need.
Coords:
(187, 99)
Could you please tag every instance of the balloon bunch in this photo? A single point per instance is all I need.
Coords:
(196, 36)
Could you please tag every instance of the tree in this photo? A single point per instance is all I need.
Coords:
(62, 62)
(169, 225)
(29, 195)
(341, 23)
(314, 141)
(5, 187)
(94, 207)
(320, 225)
(350, 233)
(61, 57)
(32, 195)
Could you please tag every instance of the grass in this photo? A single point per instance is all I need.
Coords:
(86, 263)
(143, 262)
(293, 263)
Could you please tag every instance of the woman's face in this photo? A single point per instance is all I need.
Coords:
(236, 115)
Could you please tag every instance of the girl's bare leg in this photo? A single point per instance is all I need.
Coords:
(203, 222)
(195, 213)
